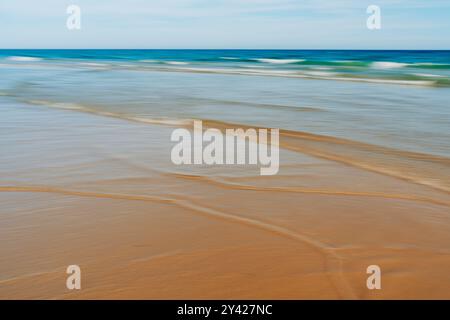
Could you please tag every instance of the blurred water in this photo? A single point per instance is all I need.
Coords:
(170, 86)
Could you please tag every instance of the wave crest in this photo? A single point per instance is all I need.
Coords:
(387, 65)
(23, 58)
(279, 61)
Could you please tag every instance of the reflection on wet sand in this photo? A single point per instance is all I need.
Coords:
(102, 193)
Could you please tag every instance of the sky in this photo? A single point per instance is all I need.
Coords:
(228, 24)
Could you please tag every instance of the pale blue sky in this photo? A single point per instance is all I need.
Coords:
(303, 24)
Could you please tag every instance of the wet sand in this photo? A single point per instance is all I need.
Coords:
(102, 193)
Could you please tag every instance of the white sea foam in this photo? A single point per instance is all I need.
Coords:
(21, 58)
(280, 61)
(428, 64)
(320, 73)
(430, 75)
(387, 65)
(176, 63)
(312, 74)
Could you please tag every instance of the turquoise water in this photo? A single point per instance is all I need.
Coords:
(398, 99)
(406, 67)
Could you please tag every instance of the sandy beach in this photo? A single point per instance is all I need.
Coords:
(101, 192)
(225, 159)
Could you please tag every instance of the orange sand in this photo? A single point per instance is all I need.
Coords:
(102, 193)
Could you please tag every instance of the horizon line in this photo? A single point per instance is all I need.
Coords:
(211, 49)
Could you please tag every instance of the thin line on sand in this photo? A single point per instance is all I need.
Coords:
(333, 261)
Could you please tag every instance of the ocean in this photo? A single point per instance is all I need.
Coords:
(396, 102)
(87, 177)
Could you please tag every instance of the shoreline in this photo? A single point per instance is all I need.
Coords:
(94, 195)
